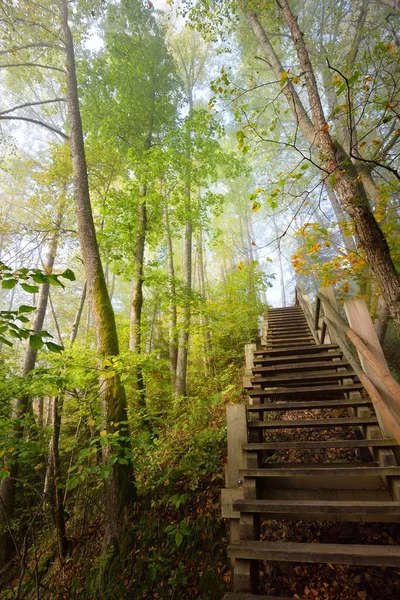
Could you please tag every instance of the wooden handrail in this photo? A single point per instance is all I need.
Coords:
(340, 329)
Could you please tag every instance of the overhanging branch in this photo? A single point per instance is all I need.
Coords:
(5, 112)
(36, 122)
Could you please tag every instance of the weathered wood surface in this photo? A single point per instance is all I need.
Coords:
(289, 445)
(344, 554)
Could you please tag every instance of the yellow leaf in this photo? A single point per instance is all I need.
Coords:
(240, 266)
(103, 434)
(92, 423)
(376, 142)
(296, 79)
(255, 206)
(366, 88)
(283, 77)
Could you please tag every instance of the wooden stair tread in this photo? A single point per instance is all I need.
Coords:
(369, 507)
(347, 554)
(309, 405)
(275, 391)
(290, 358)
(318, 472)
(303, 376)
(327, 364)
(331, 422)
(289, 445)
(314, 347)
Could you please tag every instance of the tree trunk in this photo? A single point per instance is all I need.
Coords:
(382, 319)
(118, 486)
(78, 316)
(183, 348)
(334, 160)
(172, 321)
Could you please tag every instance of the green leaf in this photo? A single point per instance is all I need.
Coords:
(53, 279)
(31, 289)
(23, 319)
(3, 340)
(68, 274)
(54, 347)
(39, 277)
(9, 284)
(178, 539)
(26, 309)
(72, 483)
(35, 342)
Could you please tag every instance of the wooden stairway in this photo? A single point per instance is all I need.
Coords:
(314, 452)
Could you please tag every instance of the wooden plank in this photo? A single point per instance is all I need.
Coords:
(237, 436)
(373, 443)
(326, 364)
(346, 554)
(316, 509)
(258, 362)
(309, 405)
(334, 471)
(360, 321)
(309, 347)
(326, 389)
(303, 376)
(342, 422)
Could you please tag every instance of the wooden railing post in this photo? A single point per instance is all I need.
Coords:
(360, 321)
(237, 436)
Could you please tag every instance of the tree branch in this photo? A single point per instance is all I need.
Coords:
(32, 65)
(302, 118)
(35, 122)
(19, 48)
(4, 112)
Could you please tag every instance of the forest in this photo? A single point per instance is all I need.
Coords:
(169, 170)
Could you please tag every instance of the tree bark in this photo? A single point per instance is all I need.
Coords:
(172, 321)
(78, 316)
(118, 486)
(334, 161)
(382, 319)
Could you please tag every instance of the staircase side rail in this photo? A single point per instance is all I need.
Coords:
(327, 317)
(305, 303)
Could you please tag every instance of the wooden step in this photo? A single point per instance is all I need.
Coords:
(293, 367)
(282, 345)
(310, 390)
(301, 349)
(329, 470)
(323, 510)
(292, 377)
(326, 423)
(289, 445)
(343, 554)
(289, 333)
(307, 358)
(309, 405)
(297, 339)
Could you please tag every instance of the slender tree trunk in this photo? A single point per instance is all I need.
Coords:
(78, 316)
(334, 160)
(118, 486)
(172, 321)
(280, 265)
(183, 348)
